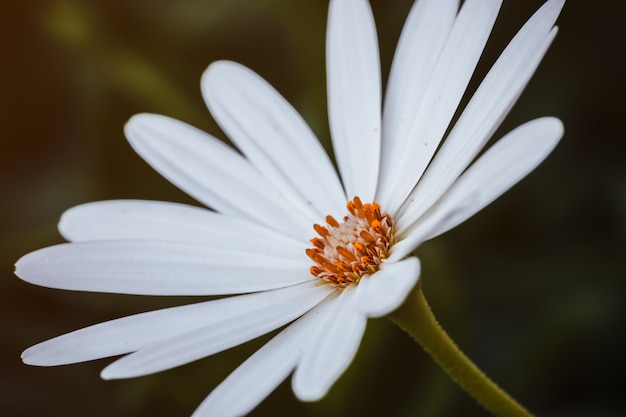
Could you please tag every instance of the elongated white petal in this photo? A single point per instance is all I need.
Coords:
(354, 95)
(485, 111)
(501, 167)
(158, 268)
(444, 92)
(387, 289)
(212, 172)
(422, 39)
(284, 306)
(157, 220)
(262, 372)
(131, 333)
(332, 348)
(273, 136)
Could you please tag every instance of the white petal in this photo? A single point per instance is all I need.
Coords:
(485, 111)
(129, 334)
(273, 136)
(332, 348)
(354, 95)
(444, 92)
(275, 311)
(156, 220)
(383, 292)
(261, 373)
(158, 268)
(501, 167)
(212, 172)
(422, 39)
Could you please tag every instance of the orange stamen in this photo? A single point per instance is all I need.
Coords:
(331, 221)
(345, 252)
(321, 230)
(318, 243)
(343, 267)
(366, 236)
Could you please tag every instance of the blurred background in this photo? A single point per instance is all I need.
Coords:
(532, 288)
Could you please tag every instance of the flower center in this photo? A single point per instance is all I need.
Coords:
(345, 252)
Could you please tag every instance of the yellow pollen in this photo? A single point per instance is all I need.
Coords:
(345, 252)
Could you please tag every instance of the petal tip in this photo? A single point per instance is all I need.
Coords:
(21, 267)
(138, 123)
(558, 126)
(552, 127)
(217, 69)
(35, 356)
(107, 374)
(137, 119)
(306, 393)
(26, 357)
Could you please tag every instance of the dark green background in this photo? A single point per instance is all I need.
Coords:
(532, 288)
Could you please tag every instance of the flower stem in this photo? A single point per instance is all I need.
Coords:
(416, 318)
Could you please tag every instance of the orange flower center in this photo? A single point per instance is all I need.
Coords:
(345, 252)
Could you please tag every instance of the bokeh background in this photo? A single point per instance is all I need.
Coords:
(532, 288)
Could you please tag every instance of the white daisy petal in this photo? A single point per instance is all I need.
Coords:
(486, 110)
(261, 373)
(273, 136)
(332, 348)
(157, 220)
(279, 234)
(354, 94)
(131, 333)
(282, 307)
(386, 290)
(444, 92)
(501, 167)
(158, 268)
(422, 39)
(212, 172)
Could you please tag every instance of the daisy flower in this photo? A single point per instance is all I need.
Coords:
(288, 241)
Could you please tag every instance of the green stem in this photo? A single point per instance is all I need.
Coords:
(416, 318)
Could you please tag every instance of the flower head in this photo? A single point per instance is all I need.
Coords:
(346, 252)
(301, 245)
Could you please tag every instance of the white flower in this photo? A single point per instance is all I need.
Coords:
(260, 240)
